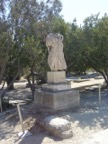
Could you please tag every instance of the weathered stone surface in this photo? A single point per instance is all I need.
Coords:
(56, 59)
(57, 100)
(57, 87)
(56, 77)
(58, 126)
(66, 134)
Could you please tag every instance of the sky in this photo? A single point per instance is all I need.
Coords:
(80, 9)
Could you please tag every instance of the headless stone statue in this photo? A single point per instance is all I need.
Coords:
(56, 59)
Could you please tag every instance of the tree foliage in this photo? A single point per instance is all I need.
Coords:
(97, 46)
(24, 25)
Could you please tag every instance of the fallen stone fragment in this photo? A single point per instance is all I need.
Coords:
(57, 126)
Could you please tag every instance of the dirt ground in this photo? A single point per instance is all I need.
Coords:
(86, 121)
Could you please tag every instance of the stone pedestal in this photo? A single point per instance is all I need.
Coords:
(56, 77)
(57, 94)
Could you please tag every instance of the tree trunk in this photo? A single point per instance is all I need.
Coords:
(105, 76)
(31, 83)
(9, 80)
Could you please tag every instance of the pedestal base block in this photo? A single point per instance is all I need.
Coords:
(57, 100)
(56, 77)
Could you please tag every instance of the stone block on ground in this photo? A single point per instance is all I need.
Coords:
(57, 126)
(24, 134)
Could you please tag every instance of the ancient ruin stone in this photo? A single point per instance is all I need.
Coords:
(58, 126)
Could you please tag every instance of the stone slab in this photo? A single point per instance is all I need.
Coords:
(24, 134)
(57, 100)
(57, 87)
(56, 77)
(57, 126)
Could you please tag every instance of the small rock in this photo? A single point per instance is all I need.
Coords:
(57, 126)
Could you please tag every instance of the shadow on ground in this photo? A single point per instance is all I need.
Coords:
(89, 117)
